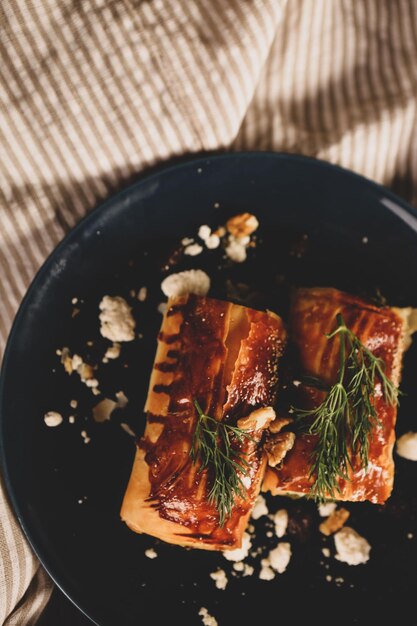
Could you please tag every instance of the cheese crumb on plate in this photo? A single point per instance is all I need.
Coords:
(183, 283)
(208, 620)
(117, 323)
(280, 519)
(407, 446)
(279, 557)
(53, 418)
(351, 547)
(260, 508)
(151, 553)
(326, 508)
(220, 578)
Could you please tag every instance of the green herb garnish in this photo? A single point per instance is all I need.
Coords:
(346, 418)
(212, 446)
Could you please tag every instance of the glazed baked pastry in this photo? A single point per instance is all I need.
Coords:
(386, 333)
(221, 358)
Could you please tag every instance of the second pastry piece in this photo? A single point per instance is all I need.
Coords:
(355, 433)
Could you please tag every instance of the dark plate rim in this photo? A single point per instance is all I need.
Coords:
(164, 168)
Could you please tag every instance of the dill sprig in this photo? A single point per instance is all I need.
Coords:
(345, 420)
(213, 446)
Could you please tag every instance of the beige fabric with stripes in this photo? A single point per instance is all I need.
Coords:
(93, 92)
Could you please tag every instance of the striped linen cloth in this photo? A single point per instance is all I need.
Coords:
(93, 92)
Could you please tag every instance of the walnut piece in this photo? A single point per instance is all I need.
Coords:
(334, 522)
(257, 420)
(278, 424)
(277, 447)
(242, 225)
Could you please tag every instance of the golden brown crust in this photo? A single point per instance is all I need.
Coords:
(383, 331)
(225, 356)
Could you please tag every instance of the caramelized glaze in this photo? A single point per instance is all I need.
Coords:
(225, 356)
(381, 330)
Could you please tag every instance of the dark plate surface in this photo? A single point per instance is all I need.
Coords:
(319, 225)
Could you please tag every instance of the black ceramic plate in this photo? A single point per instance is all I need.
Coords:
(319, 225)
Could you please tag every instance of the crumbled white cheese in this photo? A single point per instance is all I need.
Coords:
(150, 553)
(161, 308)
(142, 294)
(73, 404)
(235, 250)
(260, 508)
(220, 578)
(53, 418)
(193, 249)
(326, 508)
(407, 446)
(76, 361)
(74, 301)
(244, 568)
(113, 352)
(239, 566)
(326, 552)
(279, 557)
(365, 239)
(90, 382)
(240, 553)
(266, 573)
(208, 620)
(71, 419)
(212, 242)
(117, 323)
(351, 547)
(186, 241)
(247, 570)
(85, 436)
(183, 283)
(280, 519)
(204, 232)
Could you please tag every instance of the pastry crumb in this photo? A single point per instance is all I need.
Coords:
(142, 294)
(334, 522)
(103, 410)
